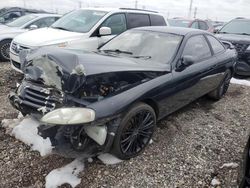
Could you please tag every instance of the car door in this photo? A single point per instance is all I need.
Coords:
(192, 81)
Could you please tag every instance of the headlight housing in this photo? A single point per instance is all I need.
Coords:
(62, 45)
(69, 116)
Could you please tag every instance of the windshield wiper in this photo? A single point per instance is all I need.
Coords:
(243, 33)
(223, 32)
(117, 51)
(142, 56)
(61, 28)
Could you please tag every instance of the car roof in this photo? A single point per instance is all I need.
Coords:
(175, 30)
(45, 15)
(114, 10)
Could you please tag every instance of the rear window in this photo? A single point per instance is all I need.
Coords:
(157, 20)
(137, 20)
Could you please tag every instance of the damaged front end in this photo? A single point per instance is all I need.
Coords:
(58, 91)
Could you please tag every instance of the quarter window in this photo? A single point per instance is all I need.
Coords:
(157, 20)
(137, 20)
(117, 23)
(197, 47)
(216, 45)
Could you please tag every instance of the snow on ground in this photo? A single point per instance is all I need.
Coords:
(67, 174)
(26, 131)
(240, 82)
(109, 159)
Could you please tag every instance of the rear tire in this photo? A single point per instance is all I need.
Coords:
(134, 132)
(5, 50)
(221, 90)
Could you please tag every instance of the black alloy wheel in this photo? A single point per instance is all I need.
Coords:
(135, 131)
(5, 50)
(221, 90)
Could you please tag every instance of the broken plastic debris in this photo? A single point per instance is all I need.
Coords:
(215, 182)
(67, 174)
(42, 109)
(109, 159)
(229, 165)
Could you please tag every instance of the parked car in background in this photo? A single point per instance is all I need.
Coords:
(9, 14)
(237, 32)
(85, 29)
(21, 25)
(245, 171)
(196, 24)
(111, 99)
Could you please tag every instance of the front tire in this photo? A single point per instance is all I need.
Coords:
(5, 50)
(134, 132)
(221, 90)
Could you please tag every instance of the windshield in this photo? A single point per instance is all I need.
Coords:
(178, 23)
(79, 21)
(237, 27)
(151, 46)
(19, 22)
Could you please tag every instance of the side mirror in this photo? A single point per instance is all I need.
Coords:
(228, 45)
(32, 27)
(216, 30)
(185, 62)
(104, 31)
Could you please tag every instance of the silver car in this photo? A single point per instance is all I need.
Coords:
(21, 25)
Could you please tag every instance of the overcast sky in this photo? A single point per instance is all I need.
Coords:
(213, 9)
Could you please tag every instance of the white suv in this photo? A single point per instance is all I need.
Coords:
(84, 29)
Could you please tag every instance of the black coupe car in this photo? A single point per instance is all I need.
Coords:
(110, 100)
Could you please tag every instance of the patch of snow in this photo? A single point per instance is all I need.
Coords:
(90, 160)
(151, 141)
(229, 165)
(240, 82)
(26, 131)
(109, 159)
(67, 174)
(215, 182)
(42, 109)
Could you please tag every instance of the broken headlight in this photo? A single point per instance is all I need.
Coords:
(69, 116)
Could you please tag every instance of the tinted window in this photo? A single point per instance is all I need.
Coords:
(157, 20)
(44, 22)
(152, 47)
(117, 23)
(137, 20)
(195, 25)
(203, 25)
(237, 27)
(197, 47)
(10, 16)
(216, 45)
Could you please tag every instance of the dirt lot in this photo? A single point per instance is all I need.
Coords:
(188, 150)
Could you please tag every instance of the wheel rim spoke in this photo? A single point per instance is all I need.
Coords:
(137, 133)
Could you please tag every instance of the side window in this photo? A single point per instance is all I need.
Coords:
(137, 20)
(11, 16)
(203, 25)
(197, 47)
(117, 23)
(44, 22)
(157, 20)
(216, 45)
(195, 25)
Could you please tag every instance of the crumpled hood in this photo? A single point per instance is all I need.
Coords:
(46, 36)
(234, 38)
(67, 69)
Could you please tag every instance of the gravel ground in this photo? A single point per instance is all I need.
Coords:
(188, 148)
